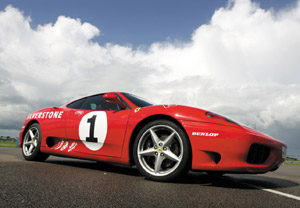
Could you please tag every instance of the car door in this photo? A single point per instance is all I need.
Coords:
(98, 126)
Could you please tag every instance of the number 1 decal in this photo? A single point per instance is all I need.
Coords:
(92, 138)
(93, 129)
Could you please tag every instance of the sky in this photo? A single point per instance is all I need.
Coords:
(238, 58)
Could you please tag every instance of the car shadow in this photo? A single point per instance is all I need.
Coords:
(96, 165)
(233, 181)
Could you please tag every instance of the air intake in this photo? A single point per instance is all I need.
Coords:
(258, 154)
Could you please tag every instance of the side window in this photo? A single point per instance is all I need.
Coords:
(77, 104)
(98, 103)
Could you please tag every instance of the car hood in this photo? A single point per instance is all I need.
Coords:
(185, 113)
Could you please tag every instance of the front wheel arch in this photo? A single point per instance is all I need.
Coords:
(171, 151)
(147, 120)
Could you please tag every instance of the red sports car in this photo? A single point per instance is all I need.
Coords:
(163, 141)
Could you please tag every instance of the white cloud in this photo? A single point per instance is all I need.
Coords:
(243, 63)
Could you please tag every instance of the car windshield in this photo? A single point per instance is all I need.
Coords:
(138, 101)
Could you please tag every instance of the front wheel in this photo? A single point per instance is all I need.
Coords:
(31, 144)
(162, 151)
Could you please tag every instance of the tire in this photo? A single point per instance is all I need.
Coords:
(161, 151)
(32, 143)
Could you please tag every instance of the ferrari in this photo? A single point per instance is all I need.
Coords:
(162, 141)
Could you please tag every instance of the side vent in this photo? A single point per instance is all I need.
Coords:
(216, 157)
(51, 141)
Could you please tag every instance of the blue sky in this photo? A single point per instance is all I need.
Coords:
(134, 22)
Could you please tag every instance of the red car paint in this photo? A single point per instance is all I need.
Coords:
(216, 144)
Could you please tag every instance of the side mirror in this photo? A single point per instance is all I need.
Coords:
(113, 98)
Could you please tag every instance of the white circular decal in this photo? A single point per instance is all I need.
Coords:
(93, 129)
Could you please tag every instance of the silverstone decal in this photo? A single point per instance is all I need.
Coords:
(93, 130)
(205, 134)
(48, 114)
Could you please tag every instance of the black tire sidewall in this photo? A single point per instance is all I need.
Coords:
(184, 164)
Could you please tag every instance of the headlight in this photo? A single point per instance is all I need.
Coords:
(284, 152)
(218, 117)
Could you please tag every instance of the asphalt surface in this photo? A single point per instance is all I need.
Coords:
(63, 182)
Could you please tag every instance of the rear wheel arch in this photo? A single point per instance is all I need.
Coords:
(32, 142)
(147, 120)
(27, 127)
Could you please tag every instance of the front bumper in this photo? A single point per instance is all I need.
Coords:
(234, 149)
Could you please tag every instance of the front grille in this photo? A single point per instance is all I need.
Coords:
(258, 154)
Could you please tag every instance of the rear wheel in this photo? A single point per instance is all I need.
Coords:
(161, 151)
(32, 143)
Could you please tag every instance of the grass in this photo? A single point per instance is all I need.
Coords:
(295, 163)
(7, 144)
